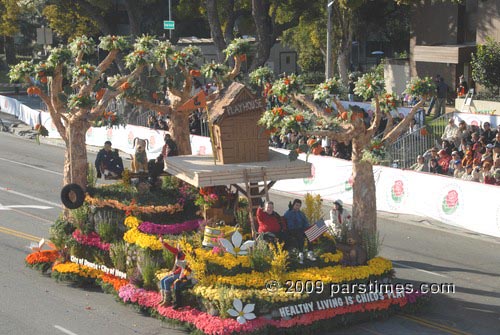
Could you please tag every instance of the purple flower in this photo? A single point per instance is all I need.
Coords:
(170, 229)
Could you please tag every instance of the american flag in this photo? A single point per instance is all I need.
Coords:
(316, 230)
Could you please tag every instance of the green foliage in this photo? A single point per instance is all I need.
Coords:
(82, 44)
(332, 86)
(118, 254)
(237, 47)
(421, 88)
(486, 65)
(80, 217)
(243, 221)
(20, 72)
(372, 243)
(107, 231)
(261, 76)
(109, 43)
(261, 256)
(216, 71)
(370, 84)
(287, 85)
(61, 55)
(84, 72)
(67, 19)
(60, 233)
(91, 175)
(149, 265)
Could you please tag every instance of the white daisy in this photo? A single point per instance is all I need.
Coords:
(236, 248)
(240, 312)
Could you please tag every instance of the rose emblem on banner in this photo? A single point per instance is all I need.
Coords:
(310, 180)
(130, 137)
(398, 191)
(109, 134)
(474, 123)
(450, 202)
(202, 150)
(348, 183)
(6, 104)
(89, 132)
(152, 141)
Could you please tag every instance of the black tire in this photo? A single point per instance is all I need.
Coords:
(79, 196)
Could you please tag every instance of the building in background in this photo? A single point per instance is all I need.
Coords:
(444, 35)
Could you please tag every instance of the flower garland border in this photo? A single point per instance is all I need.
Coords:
(169, 209)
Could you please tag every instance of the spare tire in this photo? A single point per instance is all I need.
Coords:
(72, 196)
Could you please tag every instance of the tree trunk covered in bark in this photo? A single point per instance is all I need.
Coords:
(215, 29)
(75, 159)
(180, 132)
(364, 205)
(10, 52)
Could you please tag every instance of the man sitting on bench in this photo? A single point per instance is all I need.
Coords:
(108, 162)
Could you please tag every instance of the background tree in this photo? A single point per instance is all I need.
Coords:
(9, 26)
(486, 66)
(74, 93)
(309, 115)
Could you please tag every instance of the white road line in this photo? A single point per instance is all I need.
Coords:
(64, 330)
(29, 197)
(31, 166)
(411, 267)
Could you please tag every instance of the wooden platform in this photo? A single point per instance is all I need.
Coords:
(200, 171)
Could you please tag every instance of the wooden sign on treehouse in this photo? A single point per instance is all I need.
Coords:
(233, 120)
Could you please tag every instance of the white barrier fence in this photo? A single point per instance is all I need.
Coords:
(464, 204)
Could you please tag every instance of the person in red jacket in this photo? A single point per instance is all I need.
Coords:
(176, 279)
(271, 225)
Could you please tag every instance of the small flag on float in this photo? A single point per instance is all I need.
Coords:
(316, 230)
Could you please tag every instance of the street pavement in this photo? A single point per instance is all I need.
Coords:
(422, 251)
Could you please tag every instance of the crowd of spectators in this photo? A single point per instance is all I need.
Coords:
(467, 152)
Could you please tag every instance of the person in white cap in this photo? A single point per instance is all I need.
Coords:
(340, 218)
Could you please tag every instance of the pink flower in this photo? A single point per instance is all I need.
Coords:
(452, 198)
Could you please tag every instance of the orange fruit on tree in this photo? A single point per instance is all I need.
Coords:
(43, 80)
(100, 94)
(343, 116)
(243, 58)
(30, 90)
(195, 73)
(423, 132)
(125, 86)
(318, 150)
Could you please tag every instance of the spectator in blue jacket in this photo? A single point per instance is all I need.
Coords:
(297, 223)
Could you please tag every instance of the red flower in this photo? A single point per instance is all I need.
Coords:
(299, 118)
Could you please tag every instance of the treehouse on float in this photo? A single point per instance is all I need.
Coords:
(241, 151)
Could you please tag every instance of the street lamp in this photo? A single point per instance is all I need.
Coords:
(329, 65)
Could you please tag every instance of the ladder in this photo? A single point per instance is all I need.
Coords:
(467, 101)
(253, 191)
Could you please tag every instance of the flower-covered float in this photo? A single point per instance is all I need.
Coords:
(240, 284)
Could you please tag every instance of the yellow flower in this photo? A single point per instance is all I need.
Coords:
(132, 222)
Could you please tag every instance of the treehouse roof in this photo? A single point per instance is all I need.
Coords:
(234, 100)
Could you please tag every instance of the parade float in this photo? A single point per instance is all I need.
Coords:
(240, 284)
(205, 205)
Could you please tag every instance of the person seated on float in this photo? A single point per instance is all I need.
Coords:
(177, 279)
(170, 147)
(340, 218)
(271, 225)
(108, 162)
(297, 223)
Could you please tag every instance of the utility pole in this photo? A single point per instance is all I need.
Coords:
(170, 17)
(329, 63)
